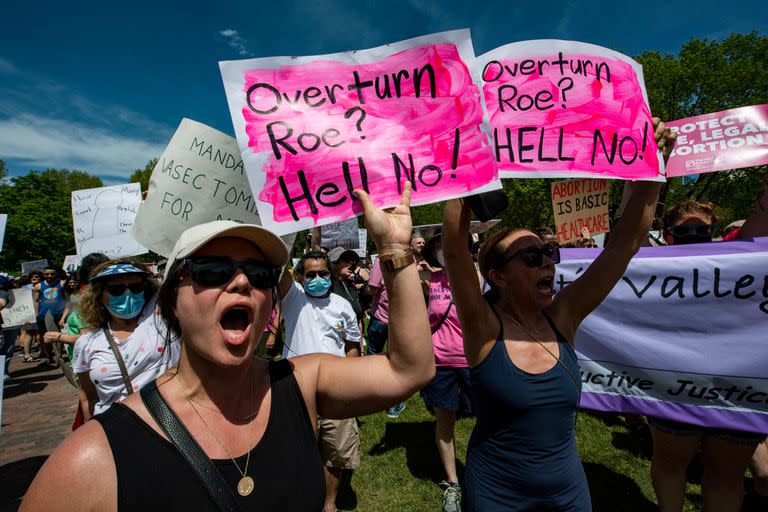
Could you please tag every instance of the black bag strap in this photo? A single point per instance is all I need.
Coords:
(205, 470)
(442, 318)
(120, 362)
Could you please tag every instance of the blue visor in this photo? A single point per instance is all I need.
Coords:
(118, 269)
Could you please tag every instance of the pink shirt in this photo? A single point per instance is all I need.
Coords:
(447, 340)
(380, 302)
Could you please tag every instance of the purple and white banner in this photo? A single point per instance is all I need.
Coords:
(682, 336)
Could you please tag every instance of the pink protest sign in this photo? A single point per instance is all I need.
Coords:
(731, 139)
(567, 109)
(312, 129)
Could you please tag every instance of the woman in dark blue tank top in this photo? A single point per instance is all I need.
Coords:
(518, 342)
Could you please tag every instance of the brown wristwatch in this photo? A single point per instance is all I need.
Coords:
(396, 260)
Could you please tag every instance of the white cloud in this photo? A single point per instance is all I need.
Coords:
(38, 142)
(235, 41)
(74, 132)
(7, 66)
(563, 28)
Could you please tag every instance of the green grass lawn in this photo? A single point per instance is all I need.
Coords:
(400, 467)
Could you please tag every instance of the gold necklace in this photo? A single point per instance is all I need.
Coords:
(534, 338)
(245, 485)
(214, 409)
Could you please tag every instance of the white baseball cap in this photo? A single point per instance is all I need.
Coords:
(274, 249)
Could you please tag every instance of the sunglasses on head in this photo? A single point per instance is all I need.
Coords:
(316, 273)
(117, 290)
(683, 230)
(533, 256)
(216, 271)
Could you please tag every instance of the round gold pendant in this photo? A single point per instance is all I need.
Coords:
(245, 486)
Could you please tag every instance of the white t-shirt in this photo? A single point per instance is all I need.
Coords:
(144, 353)
(317, 325)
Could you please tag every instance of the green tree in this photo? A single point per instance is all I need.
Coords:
(710, 76)
(40, 216)
(142, 175)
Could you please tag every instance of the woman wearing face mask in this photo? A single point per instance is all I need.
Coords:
(126, 345)
(725, 454)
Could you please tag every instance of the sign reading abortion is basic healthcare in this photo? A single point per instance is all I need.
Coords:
(580, 203)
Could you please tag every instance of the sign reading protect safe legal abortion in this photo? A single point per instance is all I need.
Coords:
(731, 139)
(577, 204)
(567, 109)
(312, 129)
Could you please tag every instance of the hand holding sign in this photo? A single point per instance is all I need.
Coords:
(665, 138)
(390, 229)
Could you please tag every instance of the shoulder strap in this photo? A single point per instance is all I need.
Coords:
(442, 318)
(500, 337)
(120, 362)
(205, 470)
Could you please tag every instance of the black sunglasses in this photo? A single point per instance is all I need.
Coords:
(215, 271)
(319, 273)
(117, 290)
(683, 230)
(533, 256)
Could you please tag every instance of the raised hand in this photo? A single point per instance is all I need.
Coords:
(665, 138)
(391, 228)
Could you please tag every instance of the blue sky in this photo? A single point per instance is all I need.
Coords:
(101, 86)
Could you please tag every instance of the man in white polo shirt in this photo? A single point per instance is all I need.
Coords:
(317, 320)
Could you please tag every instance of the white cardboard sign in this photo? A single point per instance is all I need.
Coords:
(102, 218)
(199, 178)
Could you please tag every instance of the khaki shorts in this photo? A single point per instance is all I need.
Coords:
(339, 443)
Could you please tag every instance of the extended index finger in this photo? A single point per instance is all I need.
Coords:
(405, 199)
(365, 201)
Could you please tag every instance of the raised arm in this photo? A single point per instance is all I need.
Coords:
(347, 387)
(757, 223)
(478, 324)
(580, 298)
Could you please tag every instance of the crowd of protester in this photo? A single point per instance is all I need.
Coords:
(337, 337)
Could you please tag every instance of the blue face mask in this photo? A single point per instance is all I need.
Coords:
(126, 306)
(317, 286)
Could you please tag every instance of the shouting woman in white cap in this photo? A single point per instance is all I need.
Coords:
(228, 431)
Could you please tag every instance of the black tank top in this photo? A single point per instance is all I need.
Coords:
(285, 465)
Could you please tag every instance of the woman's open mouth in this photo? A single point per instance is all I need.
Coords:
(236, 323)
(546, 285)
